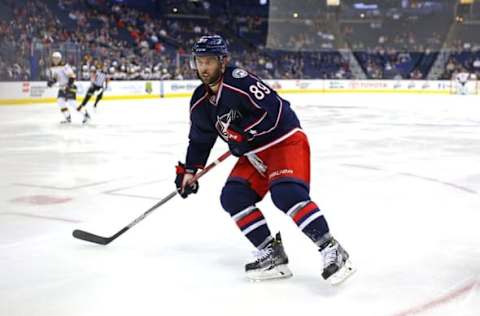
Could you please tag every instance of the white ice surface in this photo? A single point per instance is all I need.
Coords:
(398, 178)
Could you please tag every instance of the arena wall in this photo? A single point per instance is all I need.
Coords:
(18, 93)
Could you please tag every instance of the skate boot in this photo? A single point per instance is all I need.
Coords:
(67, 120)
(271, 262)
(86, 117)
(336, 265)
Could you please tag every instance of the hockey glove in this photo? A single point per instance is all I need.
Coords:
(50, 83)
(238, 140)
(187, 189)
(71, 87)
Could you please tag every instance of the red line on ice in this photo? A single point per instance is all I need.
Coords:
(441, 300)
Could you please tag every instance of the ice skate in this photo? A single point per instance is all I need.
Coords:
(336, 264)
(86, 118)
(67, 120)
(271, 263)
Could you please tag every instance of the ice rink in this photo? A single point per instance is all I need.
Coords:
(398, 177)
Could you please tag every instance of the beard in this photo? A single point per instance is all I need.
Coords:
(211, 79)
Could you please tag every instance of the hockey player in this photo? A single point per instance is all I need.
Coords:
(274, 155)
(63, 74)
(461, 79)
(98, 82)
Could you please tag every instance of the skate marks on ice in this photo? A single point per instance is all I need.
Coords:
(412, 175)
(138, 190)
(42, 217)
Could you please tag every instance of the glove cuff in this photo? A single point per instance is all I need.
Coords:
(236, 136)
(182, 169)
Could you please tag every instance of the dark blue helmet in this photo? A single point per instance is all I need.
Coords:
(210, 45)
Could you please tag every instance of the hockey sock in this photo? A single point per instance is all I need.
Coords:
(239, 199)
(254, 226)
(294, 199)
(65, 113)
(311, 221)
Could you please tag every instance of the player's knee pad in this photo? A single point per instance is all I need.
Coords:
(285, 195)
(237, 196)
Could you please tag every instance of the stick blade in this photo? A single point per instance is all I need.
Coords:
(83, 235)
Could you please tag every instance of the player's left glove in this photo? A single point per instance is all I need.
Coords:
(71, 89)
(50, 83)
(238, 140)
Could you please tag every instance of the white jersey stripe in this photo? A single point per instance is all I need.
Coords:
(276, 141)
(198, 102)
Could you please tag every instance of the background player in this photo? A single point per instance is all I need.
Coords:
(462, 78)
(63, 74)
(98, 82)
(260, 128)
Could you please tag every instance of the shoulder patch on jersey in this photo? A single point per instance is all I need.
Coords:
(239, 73)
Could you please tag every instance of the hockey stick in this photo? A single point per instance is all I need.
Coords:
(83, 235)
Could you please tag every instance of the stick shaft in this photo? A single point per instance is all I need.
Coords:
(106, 240)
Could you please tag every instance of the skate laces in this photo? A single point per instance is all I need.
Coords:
(262, 254)
(330, 255)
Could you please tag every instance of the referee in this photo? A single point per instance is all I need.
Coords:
(98, 82)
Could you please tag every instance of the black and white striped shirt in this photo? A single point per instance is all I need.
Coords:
(99, 79)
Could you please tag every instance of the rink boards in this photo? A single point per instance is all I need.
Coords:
(37, 91)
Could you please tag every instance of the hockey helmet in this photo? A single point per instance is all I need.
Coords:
(209, 45)
(56, 58)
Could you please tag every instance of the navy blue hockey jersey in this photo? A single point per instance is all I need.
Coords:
(242, 99)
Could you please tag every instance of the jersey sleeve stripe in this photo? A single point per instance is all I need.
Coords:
(257, 122)
(198, 102)
(277, 121)
(244, 93)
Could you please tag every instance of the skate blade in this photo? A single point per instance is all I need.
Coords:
(278, 272)
(341, 275)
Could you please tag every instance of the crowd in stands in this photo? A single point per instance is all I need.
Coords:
(131, 43)
(464, 53)
(136, 43)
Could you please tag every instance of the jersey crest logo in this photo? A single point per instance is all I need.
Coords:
(223, 122)
(239, 73)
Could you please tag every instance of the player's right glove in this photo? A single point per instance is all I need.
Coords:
(50, 83)
(238, 140)
(183, 174)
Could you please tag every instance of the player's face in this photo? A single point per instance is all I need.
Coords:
(56, 60)
(209, 68)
